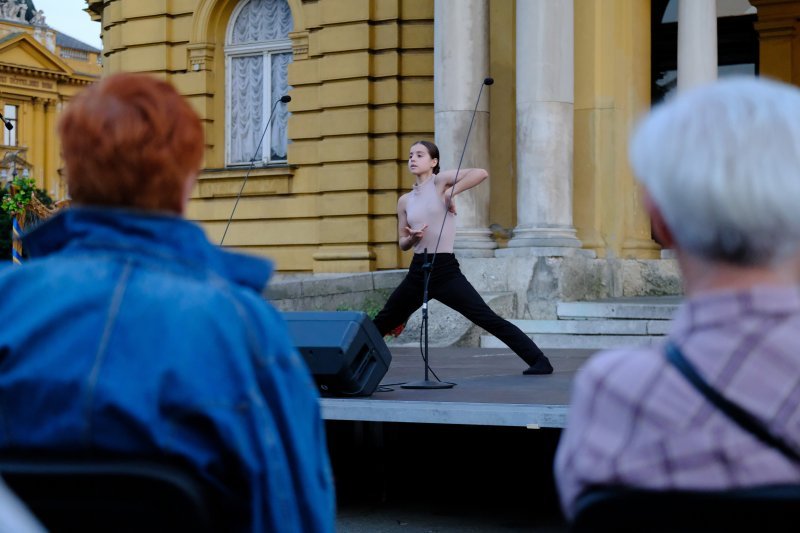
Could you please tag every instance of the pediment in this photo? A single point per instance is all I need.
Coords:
(22, 50)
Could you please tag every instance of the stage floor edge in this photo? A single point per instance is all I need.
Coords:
(478, 414)
(490, 390)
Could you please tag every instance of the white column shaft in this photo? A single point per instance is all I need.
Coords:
(461, 62)
(545, 101)
(697, 42)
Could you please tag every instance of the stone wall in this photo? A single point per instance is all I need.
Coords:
(515, 287)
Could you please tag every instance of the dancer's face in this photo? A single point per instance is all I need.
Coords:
(420, 162)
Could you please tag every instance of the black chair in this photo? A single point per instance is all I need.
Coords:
(115, 494)
(759, 509)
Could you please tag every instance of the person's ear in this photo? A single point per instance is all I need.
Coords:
(660, 229)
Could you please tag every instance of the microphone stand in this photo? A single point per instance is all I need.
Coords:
(285, 99)
(427, 270)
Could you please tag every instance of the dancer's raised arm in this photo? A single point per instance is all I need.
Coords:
(467, 179)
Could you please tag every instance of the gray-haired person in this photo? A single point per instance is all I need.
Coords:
(720, 169)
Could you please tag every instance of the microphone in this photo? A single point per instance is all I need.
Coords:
(283, 99)
(488, 81)
(9, 126)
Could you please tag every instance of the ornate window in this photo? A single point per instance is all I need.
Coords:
(257, 53)
(10, 113)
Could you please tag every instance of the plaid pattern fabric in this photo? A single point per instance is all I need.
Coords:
(634, 420)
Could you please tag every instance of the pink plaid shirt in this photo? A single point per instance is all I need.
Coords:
(634, 420)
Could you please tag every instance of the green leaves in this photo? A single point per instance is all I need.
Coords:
(22, 189)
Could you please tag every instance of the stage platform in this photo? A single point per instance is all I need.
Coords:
(490, 390)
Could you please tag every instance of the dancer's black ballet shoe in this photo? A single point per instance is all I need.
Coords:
(541, 366)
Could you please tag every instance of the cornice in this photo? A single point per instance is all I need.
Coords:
(42, 73)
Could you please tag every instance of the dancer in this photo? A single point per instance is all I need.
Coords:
(420, 216)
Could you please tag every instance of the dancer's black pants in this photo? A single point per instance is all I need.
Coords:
(449, 286)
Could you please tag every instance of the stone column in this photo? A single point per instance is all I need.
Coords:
(51, 150)
(697, 42)
(461, 62)
(38, 148)
(545, 99)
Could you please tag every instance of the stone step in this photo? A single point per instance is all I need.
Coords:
(594, 327)
(589, 332)
(548, 341)
(655, 308)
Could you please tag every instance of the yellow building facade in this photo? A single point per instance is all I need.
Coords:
(40, 70)
(361, 80)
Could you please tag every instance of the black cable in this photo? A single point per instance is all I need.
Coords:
(285, 99)
(423, 355)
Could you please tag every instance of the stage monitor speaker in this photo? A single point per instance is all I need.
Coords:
(343, 349)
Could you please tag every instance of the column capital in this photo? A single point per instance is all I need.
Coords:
(776, 7)
(776, 29)
(200, 56)
(299, 44)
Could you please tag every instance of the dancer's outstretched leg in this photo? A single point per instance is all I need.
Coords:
(457, 293)
(405, 299)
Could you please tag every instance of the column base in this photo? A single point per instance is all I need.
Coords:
(474, 243)
(333, 260)
(544, 237)
(471, 253)
(545, 251)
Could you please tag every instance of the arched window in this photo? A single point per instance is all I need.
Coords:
(257, 52)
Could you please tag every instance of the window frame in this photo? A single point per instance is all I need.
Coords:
(12, 134)
(266, 49)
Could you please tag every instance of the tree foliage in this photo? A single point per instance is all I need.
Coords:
(13, 204)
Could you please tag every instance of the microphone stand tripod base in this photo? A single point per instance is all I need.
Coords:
(427, 384)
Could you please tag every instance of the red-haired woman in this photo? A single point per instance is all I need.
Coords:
(140, 337)
(426, 220)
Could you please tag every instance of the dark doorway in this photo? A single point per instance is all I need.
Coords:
(737, 47)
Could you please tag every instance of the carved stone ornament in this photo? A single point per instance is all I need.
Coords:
(38, 19)
(16, 10)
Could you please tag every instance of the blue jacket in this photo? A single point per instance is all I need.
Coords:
(130, 332)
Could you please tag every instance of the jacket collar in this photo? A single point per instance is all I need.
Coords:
(169, 237)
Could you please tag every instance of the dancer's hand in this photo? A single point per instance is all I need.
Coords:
(416, 234)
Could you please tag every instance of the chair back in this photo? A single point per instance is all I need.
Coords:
(762, 509)
(121, 495)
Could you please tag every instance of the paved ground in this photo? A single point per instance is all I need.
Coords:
(423, 478)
